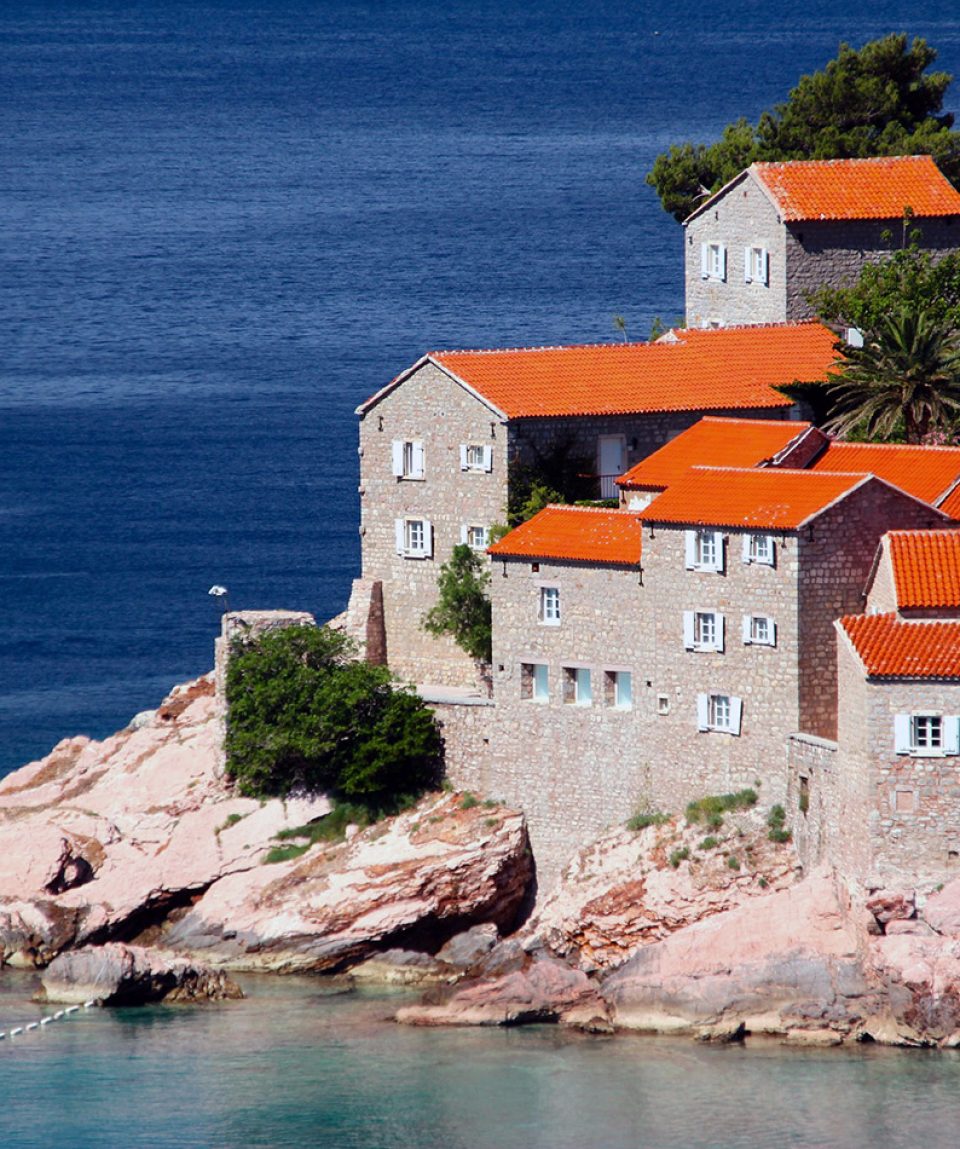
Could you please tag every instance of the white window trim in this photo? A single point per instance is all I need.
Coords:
(486, 460)
(903, 735)
(692, 551)
(703, 713)
(398, 454)
(747, 631)
(402, 533)
(747, 549)
(541, 601)
(711, 268)
(466, 528)
(750, 273)
(690, 640)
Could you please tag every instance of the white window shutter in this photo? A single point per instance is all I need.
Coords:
(747, 260)
(745, 547)
(765, 267)
(427, 539)
(747, 629)
(400, 528)
(736, 714)
(901, 733)
(486, 536)
(772, 631)
(464, 465)
(771, 559)
(688, 630)
(718, 552)
(718, 643)
(690, 549)
(464, 534)
(951, 734)
(723, 262)
(703, 712)
(398, 458)
(488, 458)
(704, 262)
(418, 460)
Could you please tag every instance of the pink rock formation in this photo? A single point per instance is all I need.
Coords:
(108, 841)
(621, 892)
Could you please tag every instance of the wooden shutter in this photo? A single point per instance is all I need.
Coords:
(488, 458)
(464, 465)
(771, 631)
(723, 262)
(417, 472)
(464, 535)
(718, 541)
(400, 528)
(765, 267)
(748, 629)
(703, 712)
(736, 714)
(718, 631)
(901, 733)
(745, 548)
(398, 458)
(704, 262)
(688, 640)
(427, 539)
(747, 261)
(690, 549)
(951, 734)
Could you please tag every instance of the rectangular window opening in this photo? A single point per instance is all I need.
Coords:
(549, 611)
(619, 689)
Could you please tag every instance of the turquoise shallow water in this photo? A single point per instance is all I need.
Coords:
(293, 1065)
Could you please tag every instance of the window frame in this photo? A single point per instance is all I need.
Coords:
(940, 741)
(713, 260)
(614, 680)
(547, 593)
(408, 459)
(695, 548)
(756, 264)
(751, 553)
(749, 631)
(480, 462)
(575, 678)
(701, 635)
(404, 531)
(708, 713)
(534, 685)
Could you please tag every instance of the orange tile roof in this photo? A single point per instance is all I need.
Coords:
(588, 534)
(767, 498)
(950, 505)
(891, 648)
(878, 188)
(926, 472)
(713, 442)
(724, 369)
(926, 568)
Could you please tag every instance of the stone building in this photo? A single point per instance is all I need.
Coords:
(778, 231)
(642, 660)
(441, 445)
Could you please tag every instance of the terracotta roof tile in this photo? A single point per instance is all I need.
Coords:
(878, 188)
(768, 498)
(586, 534)
(925, 472)
(926, 568)
(891, 648)
(724, 369)
(951, 503)
(713, 442)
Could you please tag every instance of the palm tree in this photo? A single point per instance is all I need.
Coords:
(908, 370)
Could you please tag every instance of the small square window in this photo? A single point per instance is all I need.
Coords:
(663, 703)
(549, 613)
(705, 629)
(476, 538)
(576, 686)
(760, 629)
(535, 681)
(713, 260)
(475, 456)
(926, 733)
(619, 689)
(718, 714)
(755, 264)
(759, 549)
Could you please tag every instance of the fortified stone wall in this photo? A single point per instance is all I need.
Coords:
(428, 408)
(812, 805)
(833, 252)
(836, 554)
(743, 218)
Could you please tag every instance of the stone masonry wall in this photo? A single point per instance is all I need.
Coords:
(429, 408)
(833, 252)
(466, 728)
(901, 814)
(812, 802)
(744, 217)
(882, 592)
(836, 555)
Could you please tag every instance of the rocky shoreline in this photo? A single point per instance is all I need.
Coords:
(132, 871)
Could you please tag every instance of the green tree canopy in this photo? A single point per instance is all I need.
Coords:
(304, 714)
(905, 378)
(463, 607)
(872, 101)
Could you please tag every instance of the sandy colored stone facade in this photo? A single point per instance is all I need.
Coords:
(800, 256)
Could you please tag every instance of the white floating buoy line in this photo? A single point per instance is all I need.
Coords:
(58, 1016)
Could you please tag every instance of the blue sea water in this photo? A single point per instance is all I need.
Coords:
(223, 225)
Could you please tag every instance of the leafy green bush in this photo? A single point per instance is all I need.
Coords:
(331, 827)
(468, 801)
(733, 862)
(304, 714)
(778, 832)
(679, 856)
(463, 607)
(709, 843)
(283, 854)
(712, 808)
(640, 821)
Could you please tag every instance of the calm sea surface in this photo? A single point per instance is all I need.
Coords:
(223, 225)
